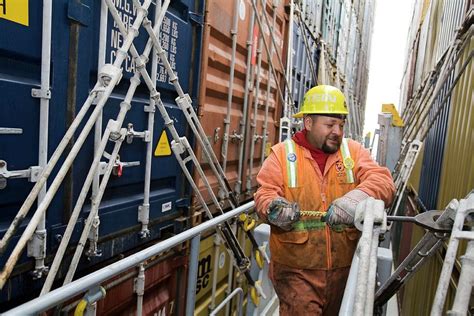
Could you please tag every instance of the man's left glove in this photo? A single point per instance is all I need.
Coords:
(342, 210)
(283, 213)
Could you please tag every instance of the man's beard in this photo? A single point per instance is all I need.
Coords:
(331, 150)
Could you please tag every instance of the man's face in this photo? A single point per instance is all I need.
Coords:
(324, 132)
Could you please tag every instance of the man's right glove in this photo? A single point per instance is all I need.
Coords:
(283, 213)
(342, 210)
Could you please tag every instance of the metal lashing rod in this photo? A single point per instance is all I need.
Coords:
(114, 76)
(269, 81)
(37, 245)
(97, 277)
(248, 86)
(144, 209)
(452, 56)
(181, 145)
(94, 209)
(98, 124)
(253, 125)
(125, 106)
(113, 127)
(45, 173)
(306, 45)
(233, 32)
(184, 103)
(260, 24)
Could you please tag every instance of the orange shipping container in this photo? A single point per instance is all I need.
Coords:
(232, 129)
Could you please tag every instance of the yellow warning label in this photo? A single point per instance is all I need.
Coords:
(163, 147)
(268, 147)
(15, 11)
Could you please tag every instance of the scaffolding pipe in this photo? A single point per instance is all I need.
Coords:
(62, 294)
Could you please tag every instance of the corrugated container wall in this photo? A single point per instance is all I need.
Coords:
(444, 171)
(241, 130)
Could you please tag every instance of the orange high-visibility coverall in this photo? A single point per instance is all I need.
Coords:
(310, 263)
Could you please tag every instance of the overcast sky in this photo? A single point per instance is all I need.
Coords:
(392, 18)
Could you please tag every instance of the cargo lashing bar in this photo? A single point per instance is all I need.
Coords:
(180, 145)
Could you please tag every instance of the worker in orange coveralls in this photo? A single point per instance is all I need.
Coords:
(309, 190)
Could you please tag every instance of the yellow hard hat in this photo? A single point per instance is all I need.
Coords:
(323, 99)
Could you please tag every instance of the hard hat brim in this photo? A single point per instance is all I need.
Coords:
(303, 113)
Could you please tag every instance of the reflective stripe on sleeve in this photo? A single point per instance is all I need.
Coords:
(291, 163)
(347, 161)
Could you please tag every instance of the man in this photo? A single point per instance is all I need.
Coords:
(309, 189)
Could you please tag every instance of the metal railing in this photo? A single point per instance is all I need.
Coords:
(94, 279)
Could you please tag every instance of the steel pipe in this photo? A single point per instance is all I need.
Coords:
(237, 291)
(83, 284)
(192, 274)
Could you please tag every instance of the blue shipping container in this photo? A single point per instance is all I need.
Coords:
(74, 59)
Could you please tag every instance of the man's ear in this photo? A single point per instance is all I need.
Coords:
(307, 121)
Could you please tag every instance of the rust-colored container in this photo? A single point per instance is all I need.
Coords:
(165, 289)
(215, 83)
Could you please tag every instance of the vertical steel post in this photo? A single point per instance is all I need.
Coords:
(192, 274)
(37, 245)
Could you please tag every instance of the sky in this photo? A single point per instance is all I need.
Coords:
(389, 40)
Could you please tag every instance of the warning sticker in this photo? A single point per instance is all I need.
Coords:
(15, 11)
(163, 147)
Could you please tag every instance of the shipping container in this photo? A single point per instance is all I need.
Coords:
(74, 62)
(239, 103)
(441, 173)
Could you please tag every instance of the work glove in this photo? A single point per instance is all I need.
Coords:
(342, 210)
(283, 213)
